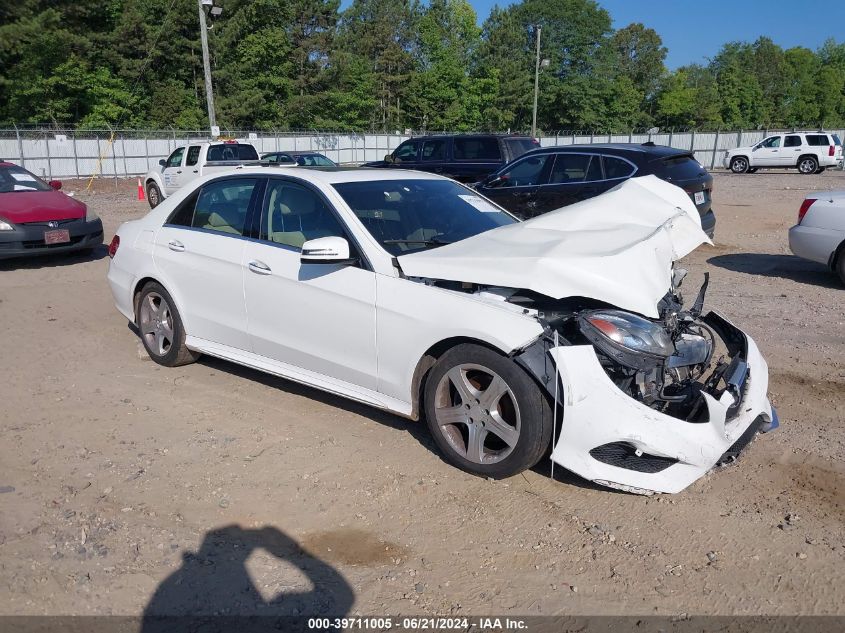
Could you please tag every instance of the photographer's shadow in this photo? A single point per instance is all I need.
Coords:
(213, 586)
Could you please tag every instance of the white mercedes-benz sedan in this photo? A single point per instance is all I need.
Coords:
(563, 336)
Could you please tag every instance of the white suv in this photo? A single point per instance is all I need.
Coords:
(809, 152)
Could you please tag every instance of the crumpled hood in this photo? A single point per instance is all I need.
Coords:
(617, 248)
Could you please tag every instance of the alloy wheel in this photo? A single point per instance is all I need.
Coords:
(477, 413)
(807, 166)
(156, 324)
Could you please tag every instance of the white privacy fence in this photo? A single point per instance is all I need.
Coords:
(127, 153)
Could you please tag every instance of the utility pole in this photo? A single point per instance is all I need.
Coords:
(537, 29)
(206, 66)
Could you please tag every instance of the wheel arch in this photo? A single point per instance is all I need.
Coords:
(743, 156)
(837, 254)
(428, 360)
(803, 156)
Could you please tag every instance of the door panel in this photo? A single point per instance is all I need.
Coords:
(171, 174)
(200, 257)
(203, 272)
(319, 317)
(768, 153)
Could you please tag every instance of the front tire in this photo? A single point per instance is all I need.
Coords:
(487, 416)
(739, 164)
(808, 165)
(153, 195)
(161, 329)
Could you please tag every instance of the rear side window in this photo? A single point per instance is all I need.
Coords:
(519, 146)
(193, 155)
(570, 168)
(617, 168)
(222, 205)
(477, 148)
(434, 149)
(231, 151)
(817, 140)
(792, 141)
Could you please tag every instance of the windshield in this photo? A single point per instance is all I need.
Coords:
(14, 178)
(412, 215)
(314, 160)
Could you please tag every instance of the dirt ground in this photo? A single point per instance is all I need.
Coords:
(126, 487)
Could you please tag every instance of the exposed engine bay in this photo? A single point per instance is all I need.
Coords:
(663, 363)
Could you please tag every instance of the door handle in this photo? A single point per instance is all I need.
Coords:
(178, 171)
(176, 245)
(196, 171)
(259, 267)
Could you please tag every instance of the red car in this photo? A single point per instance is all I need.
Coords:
(36, 218)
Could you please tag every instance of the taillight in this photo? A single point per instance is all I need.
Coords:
(831, 150)
(115, 242)
(805, 206)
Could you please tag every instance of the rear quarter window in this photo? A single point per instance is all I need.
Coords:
(617, 168)
(817, 140)
(477, 148)
(836, 140)
(519, 146)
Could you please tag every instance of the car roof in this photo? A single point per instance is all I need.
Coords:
(472, 135)
(639, 150)
(335, 175)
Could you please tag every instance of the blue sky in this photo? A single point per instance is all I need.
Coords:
(694, 30)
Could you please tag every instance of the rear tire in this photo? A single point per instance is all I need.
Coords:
(153, 195)
(808, 165)
(840, 264)
(487, 416)
(161, 329)
(739, 164)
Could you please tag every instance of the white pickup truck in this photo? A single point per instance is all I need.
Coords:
(193, 161)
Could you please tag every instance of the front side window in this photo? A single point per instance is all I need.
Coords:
(817, 140)
(413, 215)
(222, 205)
(175, 159)
(434, 149)
(570, 168)
(527, 172)
(293, 214)
(407, 151)
(771, 142)
(477, 148)
(792, 141)
(193, 155)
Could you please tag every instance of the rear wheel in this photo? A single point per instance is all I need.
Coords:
(485, 413)
(153, 195)
(739, 164)
(160, 327)
(808, 165)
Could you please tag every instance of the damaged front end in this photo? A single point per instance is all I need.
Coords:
(649, 405)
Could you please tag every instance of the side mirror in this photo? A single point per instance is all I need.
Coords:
(162, 162)
(326, 250)
(56, 184)
(493, 181)
(388, 158)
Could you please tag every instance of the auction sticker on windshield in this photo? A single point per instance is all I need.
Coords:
(479, 203)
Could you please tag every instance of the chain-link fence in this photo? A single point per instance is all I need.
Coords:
(54, 153)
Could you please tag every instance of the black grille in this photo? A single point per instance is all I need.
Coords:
(56, 223)
(623, 455)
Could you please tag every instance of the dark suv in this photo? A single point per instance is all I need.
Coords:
(464, 157)
(554, 177)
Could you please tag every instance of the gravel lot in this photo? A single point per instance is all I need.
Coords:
(212, 488)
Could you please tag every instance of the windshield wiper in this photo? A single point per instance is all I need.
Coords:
(432, 241)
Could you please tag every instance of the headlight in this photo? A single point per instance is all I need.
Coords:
(90, 215)
(5, 226)
(626, 337)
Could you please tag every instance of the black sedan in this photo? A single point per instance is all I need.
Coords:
(303, 159)
(553, 177)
